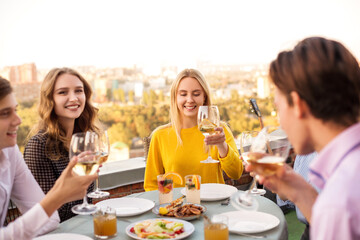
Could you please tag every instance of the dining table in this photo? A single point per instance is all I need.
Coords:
(83, 225)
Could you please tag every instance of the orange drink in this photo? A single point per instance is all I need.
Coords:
(216, 231)
(216, 228)
(105, 224)
(192, 188)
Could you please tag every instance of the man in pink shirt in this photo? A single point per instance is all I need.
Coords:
(317, 94)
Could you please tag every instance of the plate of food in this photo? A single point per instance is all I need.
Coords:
(185, 211)
(157, 228)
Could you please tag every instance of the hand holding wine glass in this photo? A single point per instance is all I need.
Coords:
(246, 140)
(104, 148)
(268, 153)
(208, 120)
(85, 146)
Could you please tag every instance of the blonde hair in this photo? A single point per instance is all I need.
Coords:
(49, 123)
(175, 119)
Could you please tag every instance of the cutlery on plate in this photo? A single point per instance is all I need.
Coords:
(225, 202)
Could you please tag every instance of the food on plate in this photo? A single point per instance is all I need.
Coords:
(158, 229)
(163, 210)
(175, 203)
(186, 210)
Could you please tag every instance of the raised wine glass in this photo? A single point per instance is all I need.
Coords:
(246, 139)
(208, 120)
(104, 148)
(85, 146)
(268, 153)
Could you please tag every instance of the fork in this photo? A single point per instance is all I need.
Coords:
(225, 202)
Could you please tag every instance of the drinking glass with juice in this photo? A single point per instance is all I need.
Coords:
(105, 224)
(216, 228)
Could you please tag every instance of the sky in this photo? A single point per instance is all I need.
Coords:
(150, 33)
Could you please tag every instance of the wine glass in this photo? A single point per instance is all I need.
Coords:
(85, 146)
(268, 152)
(208, 120)
(246, 140)
(104, 148)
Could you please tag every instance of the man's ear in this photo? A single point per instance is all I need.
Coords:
(300, 107)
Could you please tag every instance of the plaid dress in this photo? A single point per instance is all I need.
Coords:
(47, 171)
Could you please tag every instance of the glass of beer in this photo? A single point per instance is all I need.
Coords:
(165, 187)
(105, 224)
(216, 228)
(192, 188)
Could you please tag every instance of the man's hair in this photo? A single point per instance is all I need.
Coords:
(5, 88)
(325, 75)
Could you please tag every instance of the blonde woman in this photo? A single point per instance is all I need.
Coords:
(179, 146)
(65, 108)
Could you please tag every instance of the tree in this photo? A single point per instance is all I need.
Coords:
(131, 96)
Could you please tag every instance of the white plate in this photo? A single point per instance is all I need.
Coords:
(188, 227)
(63, 236)
(250, 221)
(128, 206)
(214, 191)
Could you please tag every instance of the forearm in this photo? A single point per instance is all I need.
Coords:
(52, 201)
(223, 150)
(304, 199)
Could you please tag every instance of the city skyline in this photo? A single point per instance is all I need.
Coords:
(154, 33)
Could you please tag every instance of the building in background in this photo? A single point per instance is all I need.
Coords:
(23, 79)
(263, 87)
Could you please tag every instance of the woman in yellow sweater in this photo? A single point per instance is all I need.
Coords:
(179, 146)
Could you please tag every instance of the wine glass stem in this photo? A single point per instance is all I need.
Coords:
(209, 151)
(85, 202)
(97, 185)
(254, 189)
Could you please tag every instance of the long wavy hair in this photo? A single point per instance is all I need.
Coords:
(49, 123)
(175, 119)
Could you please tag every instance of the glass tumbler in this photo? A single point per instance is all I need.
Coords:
(216, 228)
(192, 188)
(105, 224)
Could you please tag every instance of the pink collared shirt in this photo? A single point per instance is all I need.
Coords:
(17, 183)
(336, 171)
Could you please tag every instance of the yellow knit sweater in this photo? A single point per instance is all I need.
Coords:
(165, 155)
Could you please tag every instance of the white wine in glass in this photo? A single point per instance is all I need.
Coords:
(85, 146)
(208, 120)
(246, 139)
(104, 148)
(268, 153)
